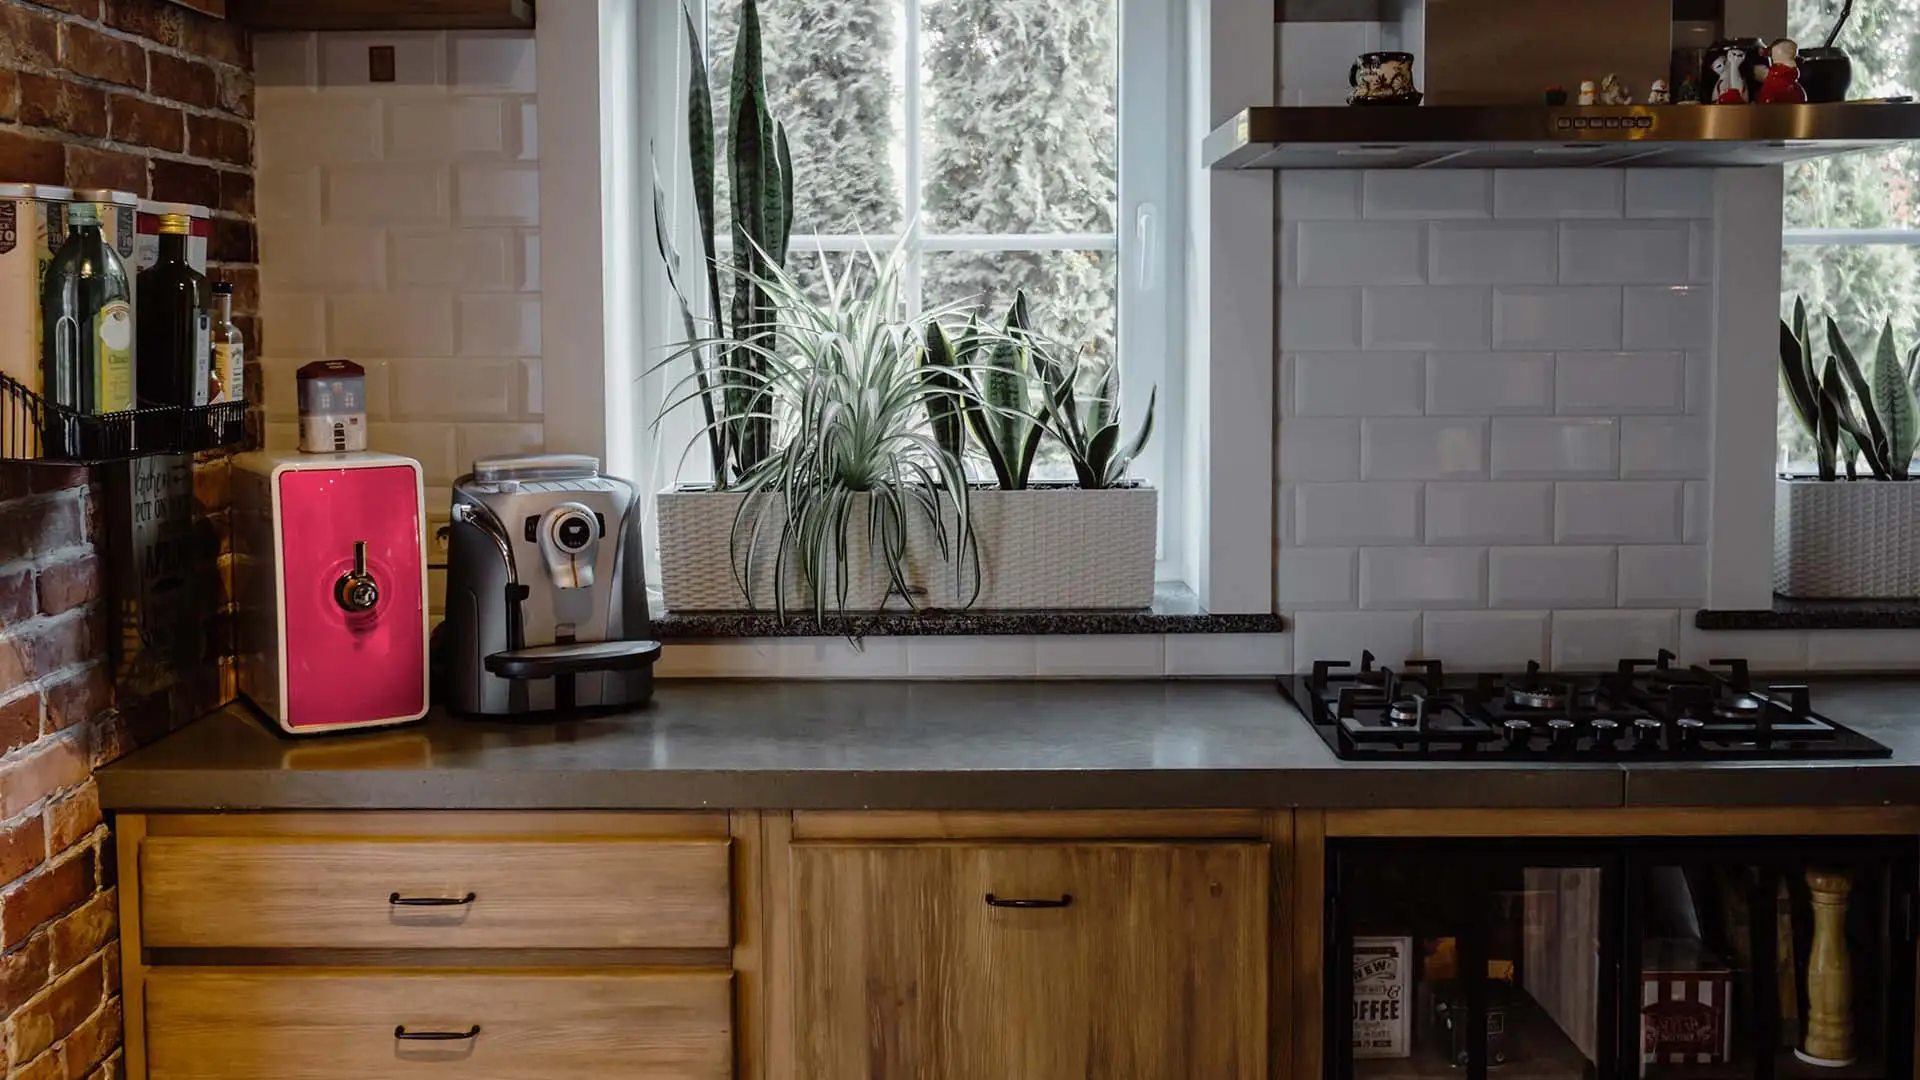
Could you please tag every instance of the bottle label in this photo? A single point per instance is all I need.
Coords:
(113, 355)
(203, 388)
(229, 369)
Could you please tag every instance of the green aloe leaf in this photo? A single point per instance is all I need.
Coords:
(1894, 405)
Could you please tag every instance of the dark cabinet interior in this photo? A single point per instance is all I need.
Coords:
(1569, 960)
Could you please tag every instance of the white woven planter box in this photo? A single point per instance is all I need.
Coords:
(1846, 540)
(1043, 549)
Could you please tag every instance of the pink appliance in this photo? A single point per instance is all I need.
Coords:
(330, 574)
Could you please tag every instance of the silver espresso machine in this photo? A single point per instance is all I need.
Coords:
(546, 608)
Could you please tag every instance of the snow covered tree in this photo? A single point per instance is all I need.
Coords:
(1862, 286)
(1021, 100)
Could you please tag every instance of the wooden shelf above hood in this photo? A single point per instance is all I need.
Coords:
(1550, 137)
(293, 15)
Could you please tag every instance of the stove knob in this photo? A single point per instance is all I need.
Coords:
(1604, 732)
(1646, 733)
(1687, 732)
(1519, 733)
(1560, 733)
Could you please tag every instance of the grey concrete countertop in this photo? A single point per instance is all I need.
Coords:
(944, 745)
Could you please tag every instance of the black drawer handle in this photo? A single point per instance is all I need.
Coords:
(401, 1032)
(431, 901)
(1066, 900)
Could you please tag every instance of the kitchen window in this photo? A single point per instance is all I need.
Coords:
(1014, 144)
(1853, 222)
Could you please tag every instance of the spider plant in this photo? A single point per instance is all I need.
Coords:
(728, 370)
(1852, 414)
(843, 380)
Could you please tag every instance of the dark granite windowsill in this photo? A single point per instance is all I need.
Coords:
(1175, 610)
(1788, 614)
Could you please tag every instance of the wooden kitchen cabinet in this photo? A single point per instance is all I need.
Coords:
(285, 15)
(1044, 961)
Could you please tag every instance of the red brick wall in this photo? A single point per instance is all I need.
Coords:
(152, 98)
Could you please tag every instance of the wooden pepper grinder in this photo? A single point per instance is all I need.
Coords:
(1829, 1039)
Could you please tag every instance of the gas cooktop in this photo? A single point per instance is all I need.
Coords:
(1646, 710)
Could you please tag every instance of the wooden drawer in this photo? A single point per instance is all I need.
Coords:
(333, 1024)
(303, 892)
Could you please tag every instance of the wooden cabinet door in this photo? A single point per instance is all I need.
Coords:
(1154, 969)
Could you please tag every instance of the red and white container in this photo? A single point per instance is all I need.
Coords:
(146, 241)
(1686, 1010)
(330, 575)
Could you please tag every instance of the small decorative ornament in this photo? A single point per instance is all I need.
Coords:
(1614, 92)
(1556, 95)
(1587, 96)
(1658, 94)
(1782, 84)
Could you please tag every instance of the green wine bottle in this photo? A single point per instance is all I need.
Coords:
(86, 344)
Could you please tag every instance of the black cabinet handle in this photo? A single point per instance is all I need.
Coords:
(401, 1032)
(431, 901)
(1066, 900)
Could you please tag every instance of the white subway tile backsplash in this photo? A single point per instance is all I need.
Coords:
(1319, 318)
(1699, 382)
(1596, 640)
(298, 327)
(1423, 577)
(497, 194)
(1316, 578)
(1319, 194)
(282, 403)
(1138, 656)
(1695, 511)
(463, 389)
(1362, 513)
(1556, 317)
(417, 60)
(442, 128)
(1669, 193)
(1358, 384)
(1392, 636)
(1489, 384)
(489, 440)
(1427, 195)
(1863, 650)
(1508, 512)
(1664, 446)
(1227, 655)
(492, 62)
(838, 658)
(386, 195)
(432, 445)
(332, 258)
(484, 259)
(1484, 640)
(1429, 317)
(499, 325)
(291, 197)
(1319, 449)
(1551, 577)
(1490, 253)
(1360, 253)
(970, 657)
(1625, 252)
(315, 131)
(1668, 317)
(529, 132)
(393, 324)
(530, 260)
(1423, 449)
(1614, 382)
(284, 60)
(1528, 448)
(1765, 650)
(533, 397)
(1617, 512)
(1557, 193)
(1663, 576)
(1701, 261)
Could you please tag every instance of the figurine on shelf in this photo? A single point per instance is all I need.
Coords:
(1555, 95)
(1782, 84)
(1658, 94)
(1730, 76)
(1614, 92)
(1587, 96)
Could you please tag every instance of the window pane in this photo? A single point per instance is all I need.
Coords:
(1021, 109)
(1861, 286)
(833, 74)
(1862, 191)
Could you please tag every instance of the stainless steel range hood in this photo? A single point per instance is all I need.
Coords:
(1543, 137)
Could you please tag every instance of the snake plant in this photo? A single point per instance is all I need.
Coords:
(731, 373)
(1089, 429)
(987, 379)
(1851, 414)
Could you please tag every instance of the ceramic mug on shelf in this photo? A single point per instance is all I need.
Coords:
(1382, 78)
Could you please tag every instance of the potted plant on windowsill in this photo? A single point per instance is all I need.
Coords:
(1838, 534)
